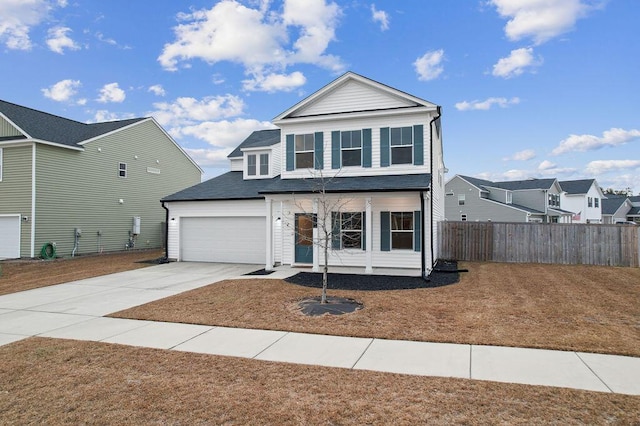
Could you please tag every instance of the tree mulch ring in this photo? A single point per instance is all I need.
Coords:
(444, 273)
(335, 306)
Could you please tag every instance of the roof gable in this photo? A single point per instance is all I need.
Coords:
(352, 92)
(47, 127)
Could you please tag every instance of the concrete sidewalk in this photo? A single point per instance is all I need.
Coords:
(76, 311)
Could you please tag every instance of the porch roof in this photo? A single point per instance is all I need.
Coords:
(383, 183)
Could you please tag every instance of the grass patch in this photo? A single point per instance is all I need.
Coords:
(48, 381)
(565, 307)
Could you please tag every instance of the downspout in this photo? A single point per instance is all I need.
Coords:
(431, 172)
(166, 231)
(422, 239)
(32, 249)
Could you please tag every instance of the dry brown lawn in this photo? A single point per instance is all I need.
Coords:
(567, 307)
(47, 381)
(20, 275)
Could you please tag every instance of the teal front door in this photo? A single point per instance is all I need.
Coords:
(304, 238)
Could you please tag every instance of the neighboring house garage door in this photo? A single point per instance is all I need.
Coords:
(10, 240)
(223, 239)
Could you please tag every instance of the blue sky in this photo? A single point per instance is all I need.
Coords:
(528, 88)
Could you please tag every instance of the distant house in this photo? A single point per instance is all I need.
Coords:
(615, 208)
(375, 151)
(584, 197)
(531, 200)
(84, 188)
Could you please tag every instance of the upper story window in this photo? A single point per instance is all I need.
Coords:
(589, 202)
(304, 149)
(461, 199)
(401, 145)
(351, 147)
(264, 164)
(251, 165)
(596, 202)
(509, 197)
(122, 170)
(554, 200)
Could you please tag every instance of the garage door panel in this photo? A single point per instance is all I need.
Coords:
(10, 237)
(223, 239)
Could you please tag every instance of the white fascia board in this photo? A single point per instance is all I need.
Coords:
(15, 125)
(511, 206)
(28, 142)
(256, 148)
(359, 114)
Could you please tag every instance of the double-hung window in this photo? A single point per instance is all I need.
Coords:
(251, 165)
(554, 200)
(596, 202)
(264, 164)
(461, 199)
(351, 147)
(402, 230)
(122, 170)
(589, 202)
(351, 230)
(402, 145)
(304, 151)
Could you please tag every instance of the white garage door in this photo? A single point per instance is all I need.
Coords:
(10, 237)
(223, 239)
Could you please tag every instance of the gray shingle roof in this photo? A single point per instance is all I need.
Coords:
(480, 183)
(384, 183)
(612, 204)
(576, 186)
(259, 138)
(516, 185)
(229, 186)
(52, 128)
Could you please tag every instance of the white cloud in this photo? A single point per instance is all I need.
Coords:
(103, 115)
(62, 91)
(275, 82)
(524, 155)
(540, 20)
(516, 63)
(603, 166)
(262, 40)
(580, 143)
(380, 16)
(157, 90)
(429, 65)
(486, 104)
(17, 17)
(58, 40)
(111, 93)
(546, 165)
(187, 111)
(223, 135)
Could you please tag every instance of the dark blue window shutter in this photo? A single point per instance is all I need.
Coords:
(384, 147)
(417, 225)
(385, 231)
(366, 147)
(319, 151)
(335, 230)
(335, 150)
(364, 231)
(290, 153)
(418, 145)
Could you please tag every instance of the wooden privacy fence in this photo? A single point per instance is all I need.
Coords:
(590, 244)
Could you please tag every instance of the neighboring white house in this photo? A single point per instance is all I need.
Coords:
(584, 198)
(375, 151)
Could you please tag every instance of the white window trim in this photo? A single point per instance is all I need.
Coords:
(342, 150)
(296, 152)
(462, 199)
(412, 231)
(343, 230)
(259, 164)
(120, 169)
(255, 165)
(391, 146)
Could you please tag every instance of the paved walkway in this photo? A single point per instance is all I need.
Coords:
(76, 311)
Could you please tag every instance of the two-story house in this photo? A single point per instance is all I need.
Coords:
(584, 197)
(84, 188)
(357, 161)
(530, 200)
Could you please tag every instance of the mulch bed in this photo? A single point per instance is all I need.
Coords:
(445, 273)
(261, 272)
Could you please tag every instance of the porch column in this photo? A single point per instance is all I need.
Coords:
(269, 219)
(369, 237)
(315, 246)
